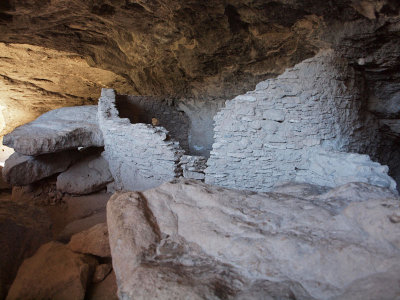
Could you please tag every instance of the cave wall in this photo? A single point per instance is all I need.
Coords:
(291, 128)
(53, 53)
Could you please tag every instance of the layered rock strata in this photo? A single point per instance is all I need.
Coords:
(187, 239)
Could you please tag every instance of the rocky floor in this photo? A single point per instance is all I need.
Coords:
(56, 238)
(189, 240)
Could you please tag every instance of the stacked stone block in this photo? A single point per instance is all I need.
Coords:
(268, 135)
(140, 156)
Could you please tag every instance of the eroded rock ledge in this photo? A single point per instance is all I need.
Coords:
(188, 239)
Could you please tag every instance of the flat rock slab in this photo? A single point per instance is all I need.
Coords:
(189, 239)
(57, 130)
(23, 230)
(87, 176)
(23, 170)
(54, 272)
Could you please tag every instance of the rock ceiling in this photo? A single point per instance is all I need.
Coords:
(60, 52)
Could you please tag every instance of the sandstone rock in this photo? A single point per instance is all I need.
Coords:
(104, 290)
(23, 230)
(40, 193)
(300, 189)
(3, 185)
(80, 213)
(54, 272)
(101, 272)
(57, 130)
(23, 170)
(81, 224)
(227, 243)
(85, 177)
(92, 241)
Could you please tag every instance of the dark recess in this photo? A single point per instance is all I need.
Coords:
(235, 23)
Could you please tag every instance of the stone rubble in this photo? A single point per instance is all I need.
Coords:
(186, 239)
(193, 166)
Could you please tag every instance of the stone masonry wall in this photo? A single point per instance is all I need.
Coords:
(141, 109)
(273, 134)
(140, 156)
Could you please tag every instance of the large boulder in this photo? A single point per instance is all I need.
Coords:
(23, 170)
(92, 241)
(57, 130)
(54, 272)
(23, 230)
(189, 239)
(87, 176)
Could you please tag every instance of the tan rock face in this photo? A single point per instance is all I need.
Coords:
(92, 241)
(35, 79)
(54, 272)
(23, 230)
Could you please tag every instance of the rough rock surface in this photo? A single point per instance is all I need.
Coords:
(57, 130)
(23, 230)
(35, 79)
(54, 272)
(192, 47)
(3, 185)
(87, 176)
(101, 272)
(105, 290)
(92, 241)
(22, 169)
(271, 134)
(81, 224)
(140, 156)
(337, 168)
(189, 239)
(209, 50)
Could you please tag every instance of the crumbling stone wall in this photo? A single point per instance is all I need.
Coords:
(142, 109)
(140, 156)
(273, 133)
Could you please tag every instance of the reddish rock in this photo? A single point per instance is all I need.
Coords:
(92, 241)
(54, 272)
